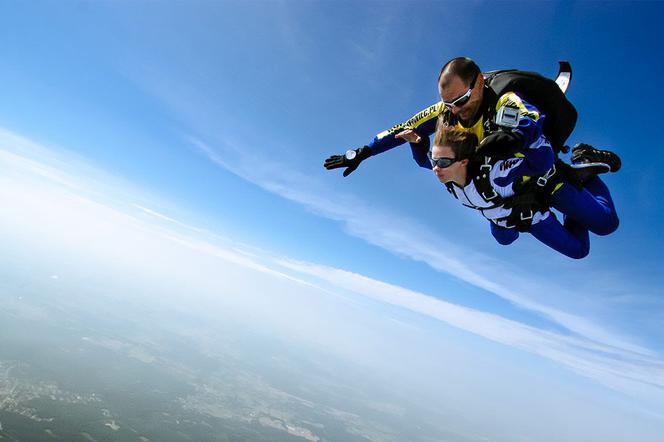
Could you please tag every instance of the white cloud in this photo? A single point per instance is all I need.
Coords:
(404, 236)
(619, 369)
(612, 363)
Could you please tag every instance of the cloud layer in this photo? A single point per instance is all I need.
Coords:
(587, 350)
(406, 237)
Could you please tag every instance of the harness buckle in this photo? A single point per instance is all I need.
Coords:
(489, 198)
(487, 164)
(529, 216)
(541, 181)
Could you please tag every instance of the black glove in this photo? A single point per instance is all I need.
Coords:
(336, 161)
(501, 144)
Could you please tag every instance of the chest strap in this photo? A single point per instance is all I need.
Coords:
(482, 182)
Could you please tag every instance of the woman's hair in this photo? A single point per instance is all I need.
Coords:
(463, 143)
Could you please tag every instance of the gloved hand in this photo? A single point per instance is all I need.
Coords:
(501, 144)
(356, 157)
(523, 208)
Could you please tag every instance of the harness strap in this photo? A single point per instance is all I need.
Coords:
(523, 204)
(483, 184)
(523, 208)
(542, 181)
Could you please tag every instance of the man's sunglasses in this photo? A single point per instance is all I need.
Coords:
(458, 102)
(442, 162)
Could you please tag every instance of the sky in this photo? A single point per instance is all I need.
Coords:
(205, 124)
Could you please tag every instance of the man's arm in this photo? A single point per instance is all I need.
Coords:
(530, 120)
(525, 138)
(421, 125)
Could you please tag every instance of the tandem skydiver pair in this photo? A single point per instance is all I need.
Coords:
(498, 136)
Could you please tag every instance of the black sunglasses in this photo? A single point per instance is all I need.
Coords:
(442, 162)
(458, 102)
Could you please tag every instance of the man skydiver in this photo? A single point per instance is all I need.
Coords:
(471, 105)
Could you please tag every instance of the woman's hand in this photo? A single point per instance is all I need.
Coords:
(409, 135)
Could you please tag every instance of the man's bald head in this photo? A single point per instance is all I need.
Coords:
(461, 87)
(462, 67)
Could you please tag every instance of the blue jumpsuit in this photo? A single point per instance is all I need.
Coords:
(589, 209)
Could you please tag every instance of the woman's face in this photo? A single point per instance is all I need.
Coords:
(454, 172)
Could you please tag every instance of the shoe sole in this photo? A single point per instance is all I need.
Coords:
(602, 166)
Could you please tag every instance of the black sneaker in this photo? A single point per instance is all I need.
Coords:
(582, 172)
(586, 157)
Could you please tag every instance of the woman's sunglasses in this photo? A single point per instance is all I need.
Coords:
(442, 162)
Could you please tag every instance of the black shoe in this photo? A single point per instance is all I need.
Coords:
(582, 172)
(585, 157)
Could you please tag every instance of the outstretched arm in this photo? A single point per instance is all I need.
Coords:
(421, 124)
(415, 130)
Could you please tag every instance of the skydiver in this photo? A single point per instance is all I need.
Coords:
(487, 184)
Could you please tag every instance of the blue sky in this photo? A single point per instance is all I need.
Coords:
(217, 116)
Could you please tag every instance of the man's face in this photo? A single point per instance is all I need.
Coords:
(454, 172)
(456, 88)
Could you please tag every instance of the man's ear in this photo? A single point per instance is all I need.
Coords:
(480, 81)
(464, 162)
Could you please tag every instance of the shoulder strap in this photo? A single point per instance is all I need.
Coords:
(482, 181)
(490, 75)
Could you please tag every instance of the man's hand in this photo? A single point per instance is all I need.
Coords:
(350, 160)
